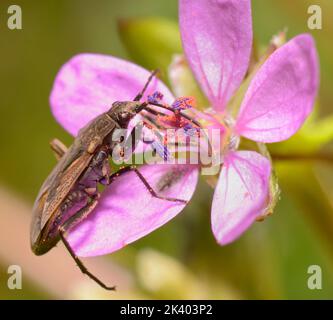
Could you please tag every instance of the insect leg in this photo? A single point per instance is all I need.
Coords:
(133, 139)
(140, 94)
(78, 217)
(58, 148)
(145, 182)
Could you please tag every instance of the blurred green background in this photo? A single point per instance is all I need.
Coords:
(181, 259)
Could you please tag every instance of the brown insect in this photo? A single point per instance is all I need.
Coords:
(70, 193)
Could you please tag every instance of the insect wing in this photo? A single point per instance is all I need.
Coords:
(55, 189)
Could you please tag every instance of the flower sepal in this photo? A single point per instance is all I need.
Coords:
(274, 188)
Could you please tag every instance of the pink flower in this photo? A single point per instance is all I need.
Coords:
(217, 40)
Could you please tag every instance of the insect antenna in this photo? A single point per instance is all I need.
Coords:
(140, 94)
(177, 112)
(145, 106)
(161, 143)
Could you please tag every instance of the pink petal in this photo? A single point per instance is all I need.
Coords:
(282, 94)
(127, 211)
(241, 194)
(88, 84)
(217, 40)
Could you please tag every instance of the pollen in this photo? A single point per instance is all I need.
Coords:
(156, 97)
(173, 120)
(184, 103)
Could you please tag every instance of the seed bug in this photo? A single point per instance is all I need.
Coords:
(70, 193)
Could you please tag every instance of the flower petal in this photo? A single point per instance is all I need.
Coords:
(217, 40)
(127, 211)
(88, 84)
(241, 194)
(282, 93)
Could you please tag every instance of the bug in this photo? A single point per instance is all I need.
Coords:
(70, 193)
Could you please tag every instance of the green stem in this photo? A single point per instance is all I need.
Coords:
(327, 157)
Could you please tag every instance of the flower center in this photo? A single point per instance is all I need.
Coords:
(210, 133)
(220, 132)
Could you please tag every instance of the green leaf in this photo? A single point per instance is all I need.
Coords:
(151, 42)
